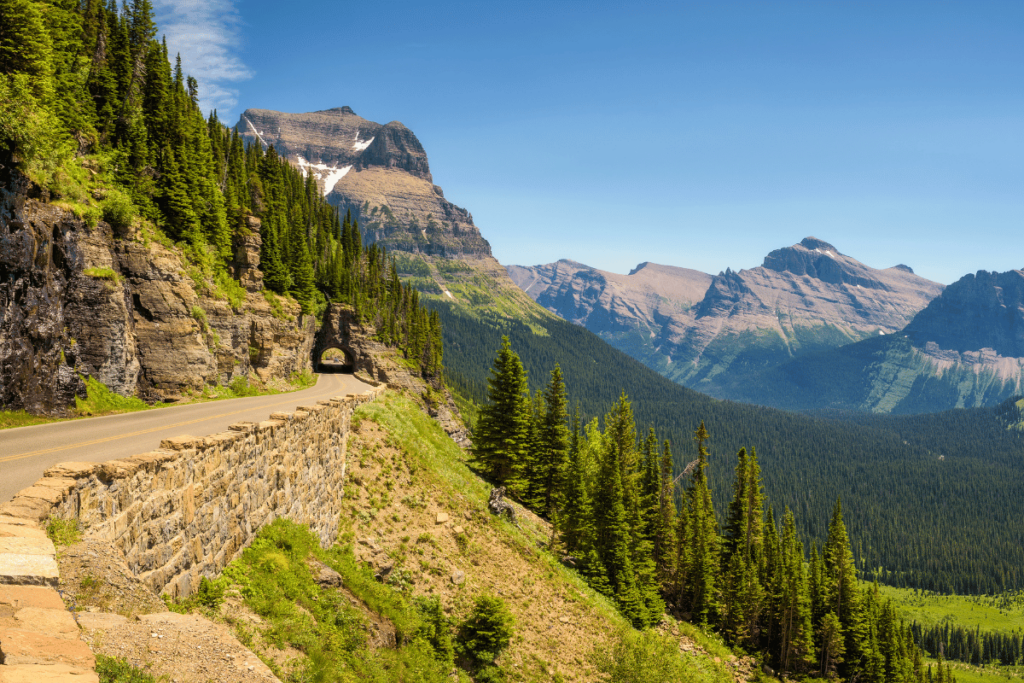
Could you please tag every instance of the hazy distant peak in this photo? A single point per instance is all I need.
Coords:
(905, 268)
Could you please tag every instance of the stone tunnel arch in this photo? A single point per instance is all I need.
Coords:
(334, 359)
(335, 333)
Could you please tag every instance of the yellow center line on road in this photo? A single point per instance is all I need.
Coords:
(11, 458)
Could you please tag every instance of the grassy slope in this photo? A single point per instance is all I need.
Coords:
(991, 613)
(403, 471)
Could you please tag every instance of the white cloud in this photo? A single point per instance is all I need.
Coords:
(206, 33)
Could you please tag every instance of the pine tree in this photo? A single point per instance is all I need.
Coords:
(553, 451)
(841, 580)
(702, 541)
(796, 638)
(25, 45)
(666, 543)
(503, 430)
(741, 553)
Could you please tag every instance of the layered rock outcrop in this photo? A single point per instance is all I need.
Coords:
(78, 301)
(378, 172)
(712, 332)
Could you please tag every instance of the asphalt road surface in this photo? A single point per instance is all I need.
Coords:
(26, 452)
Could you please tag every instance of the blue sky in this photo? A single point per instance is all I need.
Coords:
(698, 134)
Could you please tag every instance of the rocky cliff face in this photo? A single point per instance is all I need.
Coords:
(709, 332)
(79, 301)
(964, 350)
(378, 172)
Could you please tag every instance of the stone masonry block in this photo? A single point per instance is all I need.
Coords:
(71, 470)
(27, 546)
(18, 646)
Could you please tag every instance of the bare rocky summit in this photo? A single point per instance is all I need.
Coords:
(378, 172)
(608, 302)
(705, 331)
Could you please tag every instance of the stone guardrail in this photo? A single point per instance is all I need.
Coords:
(178, 513)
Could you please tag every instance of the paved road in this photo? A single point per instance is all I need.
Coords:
(26, 452)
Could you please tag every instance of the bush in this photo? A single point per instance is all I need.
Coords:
(486, 632)
(63, 531)
(118, 210)
(114, 670)
(647, 657)
(100, 400)
(102, 274)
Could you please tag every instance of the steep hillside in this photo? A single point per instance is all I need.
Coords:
(712, 333)
(965, 349)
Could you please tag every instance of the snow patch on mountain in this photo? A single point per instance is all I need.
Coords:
(360, 146)
(255, 132)
(329, 174)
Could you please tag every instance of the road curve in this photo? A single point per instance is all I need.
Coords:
(26, 452)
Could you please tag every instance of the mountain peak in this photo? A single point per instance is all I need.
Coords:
(339, 110)
(814, 243)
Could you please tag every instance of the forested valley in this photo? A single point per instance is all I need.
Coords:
(930, 499)
(619, 519)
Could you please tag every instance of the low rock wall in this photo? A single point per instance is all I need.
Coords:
(186, 510)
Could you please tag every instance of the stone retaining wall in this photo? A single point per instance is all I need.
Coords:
(186, 510)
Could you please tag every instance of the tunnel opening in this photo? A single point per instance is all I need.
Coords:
(335, 360)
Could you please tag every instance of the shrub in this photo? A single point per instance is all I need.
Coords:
(118, 210)
(486, 632)
(101, 400)
(63, 531)
(115, 670)
(103, 274)
(647, 657)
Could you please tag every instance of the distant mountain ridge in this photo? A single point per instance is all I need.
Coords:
(378, 172)
(804, 298)
(964, 350)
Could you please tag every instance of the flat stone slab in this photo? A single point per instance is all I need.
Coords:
(33, 509)
(18, 646)
(71, 470)
(100, 621)
(56, 623)
(18, 521)
(20, 597)
(47, 673)
(26, 546)
(16, 531)
(28, 570)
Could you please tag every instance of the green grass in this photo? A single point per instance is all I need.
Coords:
(63, 532)
(10, 419)
(102, 274)
(116, 670)
(991, 613)
(967, 673)
(275, 581)
(102, 401)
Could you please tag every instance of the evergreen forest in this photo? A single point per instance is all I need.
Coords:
(96, 116)
(930, 499)
(620, 520)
